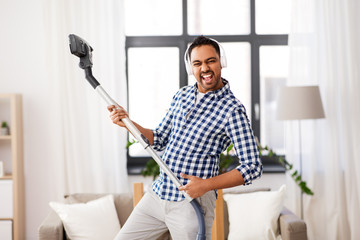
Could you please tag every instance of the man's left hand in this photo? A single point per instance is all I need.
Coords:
(196, 187)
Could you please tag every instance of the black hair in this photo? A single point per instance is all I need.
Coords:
(202, 40)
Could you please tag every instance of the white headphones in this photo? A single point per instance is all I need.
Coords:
(188, 66)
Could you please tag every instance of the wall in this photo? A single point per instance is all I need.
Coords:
(22, 65)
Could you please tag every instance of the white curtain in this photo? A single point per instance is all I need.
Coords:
(94, 154)
(324, 50)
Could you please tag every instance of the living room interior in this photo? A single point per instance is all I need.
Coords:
(66, 144)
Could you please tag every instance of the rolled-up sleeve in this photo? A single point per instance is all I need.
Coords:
(161, 134)
(239, 130)
(163, 131)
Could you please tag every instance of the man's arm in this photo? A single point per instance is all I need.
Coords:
(197, 187)
(116, 114)
(249, 168)
(148, 133)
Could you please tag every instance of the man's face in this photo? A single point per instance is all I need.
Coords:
(206, 67)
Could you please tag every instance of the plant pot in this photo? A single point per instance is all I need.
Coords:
(4, 131)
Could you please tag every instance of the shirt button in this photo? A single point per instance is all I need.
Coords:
(184, 127)
(175, 144)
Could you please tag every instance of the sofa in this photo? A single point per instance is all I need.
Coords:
(290, 226)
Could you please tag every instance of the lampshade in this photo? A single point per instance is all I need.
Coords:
(301, 102)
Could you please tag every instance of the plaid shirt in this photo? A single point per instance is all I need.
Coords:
(193, 143)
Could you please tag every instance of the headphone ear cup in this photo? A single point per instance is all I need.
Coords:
(223, 61)
(188, 68)
(187, 63)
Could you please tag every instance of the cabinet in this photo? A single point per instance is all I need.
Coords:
(12, 194)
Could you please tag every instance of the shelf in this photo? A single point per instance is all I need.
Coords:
(6, 177)
(7, 137)
(12, 146)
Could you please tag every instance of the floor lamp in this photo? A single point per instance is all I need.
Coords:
(299, 103)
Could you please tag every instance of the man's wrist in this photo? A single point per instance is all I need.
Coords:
(208, 184)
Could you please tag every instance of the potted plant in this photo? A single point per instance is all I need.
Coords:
(4, 129)
(296, 176)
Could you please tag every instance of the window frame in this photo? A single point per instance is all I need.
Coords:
(135, 164)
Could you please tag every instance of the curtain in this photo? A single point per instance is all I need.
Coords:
(324, 50)
(93, 155)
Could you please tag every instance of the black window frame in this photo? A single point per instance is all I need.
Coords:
(135, 164)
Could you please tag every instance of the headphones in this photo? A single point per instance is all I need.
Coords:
(188, 66)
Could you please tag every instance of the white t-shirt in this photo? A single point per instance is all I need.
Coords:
(199, 96)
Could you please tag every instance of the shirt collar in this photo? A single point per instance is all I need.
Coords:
(217, 93)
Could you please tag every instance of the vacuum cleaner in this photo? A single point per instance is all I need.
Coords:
(79, 47)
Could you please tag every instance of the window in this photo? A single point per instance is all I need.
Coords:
(212, 17)
(148, 101)
(273, 75)
(253, 34)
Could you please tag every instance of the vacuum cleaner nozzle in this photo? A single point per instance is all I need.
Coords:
(79, 47)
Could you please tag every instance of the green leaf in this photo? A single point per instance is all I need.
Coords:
(288, 167)
(151, 169)
(128, 144)
(229, 148)
(271, 153)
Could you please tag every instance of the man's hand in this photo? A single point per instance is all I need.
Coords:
(117, 113)
(196, 187)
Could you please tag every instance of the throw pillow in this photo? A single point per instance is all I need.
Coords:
(96, 219)
(254, 215)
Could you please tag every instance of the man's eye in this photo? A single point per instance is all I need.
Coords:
(196, 64)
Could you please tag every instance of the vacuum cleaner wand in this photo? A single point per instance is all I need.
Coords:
(83, 50)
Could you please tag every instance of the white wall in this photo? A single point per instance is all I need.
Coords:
(21, 71)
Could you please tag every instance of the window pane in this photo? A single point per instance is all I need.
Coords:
(156, 17)
(238, 72)
(272, 16)
(218, 17)
(153, 80)
(274, 61)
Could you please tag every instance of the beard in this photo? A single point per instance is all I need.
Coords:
(208, 81)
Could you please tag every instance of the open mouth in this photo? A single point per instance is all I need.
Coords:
(207, 77)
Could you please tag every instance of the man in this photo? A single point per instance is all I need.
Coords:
(201, 123)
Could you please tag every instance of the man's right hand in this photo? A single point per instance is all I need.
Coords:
(116, 114)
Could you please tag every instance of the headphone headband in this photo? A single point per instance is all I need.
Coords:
(188, 66)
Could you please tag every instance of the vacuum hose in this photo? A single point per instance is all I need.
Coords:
(83, 50)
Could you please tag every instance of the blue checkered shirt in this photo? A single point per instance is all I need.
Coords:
(194, 135)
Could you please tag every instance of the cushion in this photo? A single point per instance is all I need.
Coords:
(123, 202)
(237, 190)
(96, 219)
(254, 215)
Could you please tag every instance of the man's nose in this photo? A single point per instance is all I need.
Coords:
(204, 67)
